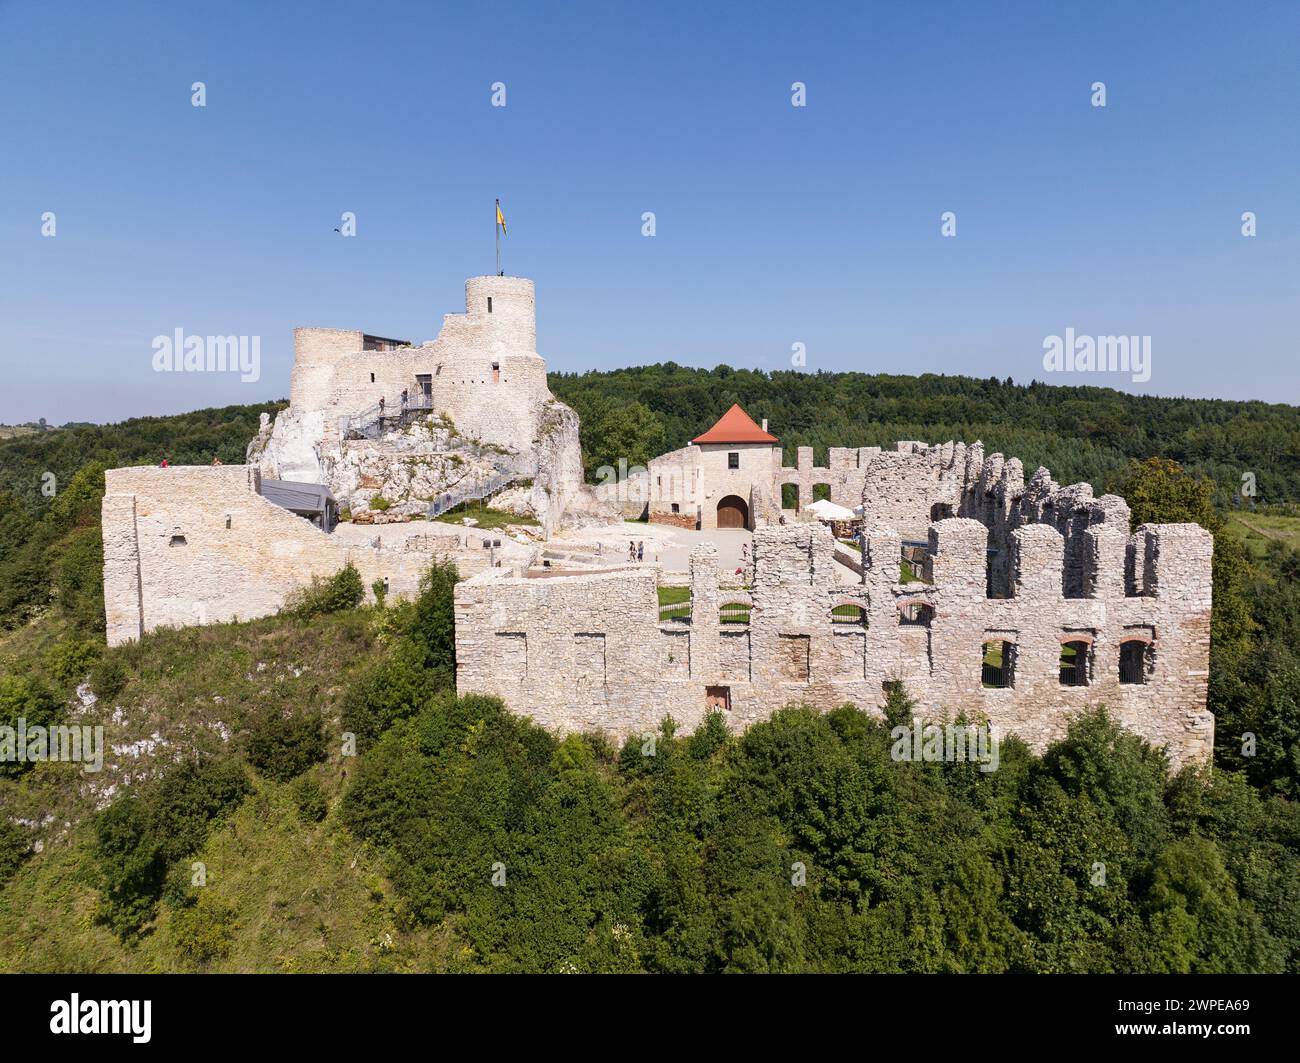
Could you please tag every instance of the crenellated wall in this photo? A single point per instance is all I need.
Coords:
(791, 650)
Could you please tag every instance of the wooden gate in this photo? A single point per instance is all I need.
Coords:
(733, 512)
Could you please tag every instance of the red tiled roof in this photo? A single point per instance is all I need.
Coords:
(735, 426)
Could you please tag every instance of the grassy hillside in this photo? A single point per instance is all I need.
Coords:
(1258, 530)
(463, 838)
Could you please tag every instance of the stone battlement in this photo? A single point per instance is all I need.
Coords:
(1035, 603)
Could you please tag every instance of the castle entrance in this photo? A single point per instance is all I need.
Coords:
(733, 512)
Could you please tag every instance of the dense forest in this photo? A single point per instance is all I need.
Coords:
(1079, 433)
(461, 837)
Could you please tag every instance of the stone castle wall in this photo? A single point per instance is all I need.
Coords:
(197, 544)
(589, 651)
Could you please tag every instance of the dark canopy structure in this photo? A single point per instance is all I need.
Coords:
(311, 501)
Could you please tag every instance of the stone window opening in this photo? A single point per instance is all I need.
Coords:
(915, 614)
(790, 496)
(994, 583)
(1136, 661)
(676, 508)
(734, 612)
(733, 459)
(940, 511)
(998, 664)
(821, 492)
(1076, 663)
(489, 304)
(177, 539)
(227, 521)
(372, 378)
(496, 372)
(849, 614)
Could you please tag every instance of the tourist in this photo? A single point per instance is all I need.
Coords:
(162, 464)
(631, 550)
(640, 551)
(216, 461)
(403, 400)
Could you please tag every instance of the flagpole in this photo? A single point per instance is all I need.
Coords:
(496, 228)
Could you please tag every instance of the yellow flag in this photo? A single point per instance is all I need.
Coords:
(501, 218)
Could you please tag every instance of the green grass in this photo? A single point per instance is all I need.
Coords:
(1256, 530)
(305, 897)
(674, 595)
(489, 519)
(905, 574)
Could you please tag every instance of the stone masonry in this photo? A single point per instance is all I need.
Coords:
(1028, 569)
(198, 544)
(481, 378)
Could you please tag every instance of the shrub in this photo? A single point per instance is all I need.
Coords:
(432, 626)
(107, 678)
(143, 833)
(343, 590)
(379, 503)
(14, 848)
(310, 798)
(71, 659)
(22, 697)
(283, 746)
(379, 591)
(204, 931)
(391, 689)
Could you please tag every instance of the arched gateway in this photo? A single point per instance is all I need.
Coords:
(733, 512)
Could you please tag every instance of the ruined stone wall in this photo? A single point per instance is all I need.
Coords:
(792, 651)
(197, 544)
(901, 488)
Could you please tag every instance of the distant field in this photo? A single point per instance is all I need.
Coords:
(1256, 529)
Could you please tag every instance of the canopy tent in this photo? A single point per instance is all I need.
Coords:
(828, 510)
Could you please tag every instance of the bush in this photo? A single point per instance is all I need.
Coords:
(14, 848)
(310, 798)
(389, 690)
(143, 833)
(380, 591)
(432, 627)
(204, 931)
(282, 746)
(107, 678)
(70, 660)
(343, 590)
(22, 697)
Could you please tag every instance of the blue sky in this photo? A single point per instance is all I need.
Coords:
(775, 224)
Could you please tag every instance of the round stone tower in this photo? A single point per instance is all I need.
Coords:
(491, 381)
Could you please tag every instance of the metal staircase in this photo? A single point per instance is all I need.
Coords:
(471, 492)
(370, 423)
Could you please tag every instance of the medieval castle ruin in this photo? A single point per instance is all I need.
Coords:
(378, 430)
(1045, 582)
(1017, 602)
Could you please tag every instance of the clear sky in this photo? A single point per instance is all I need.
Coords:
(775, 224)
